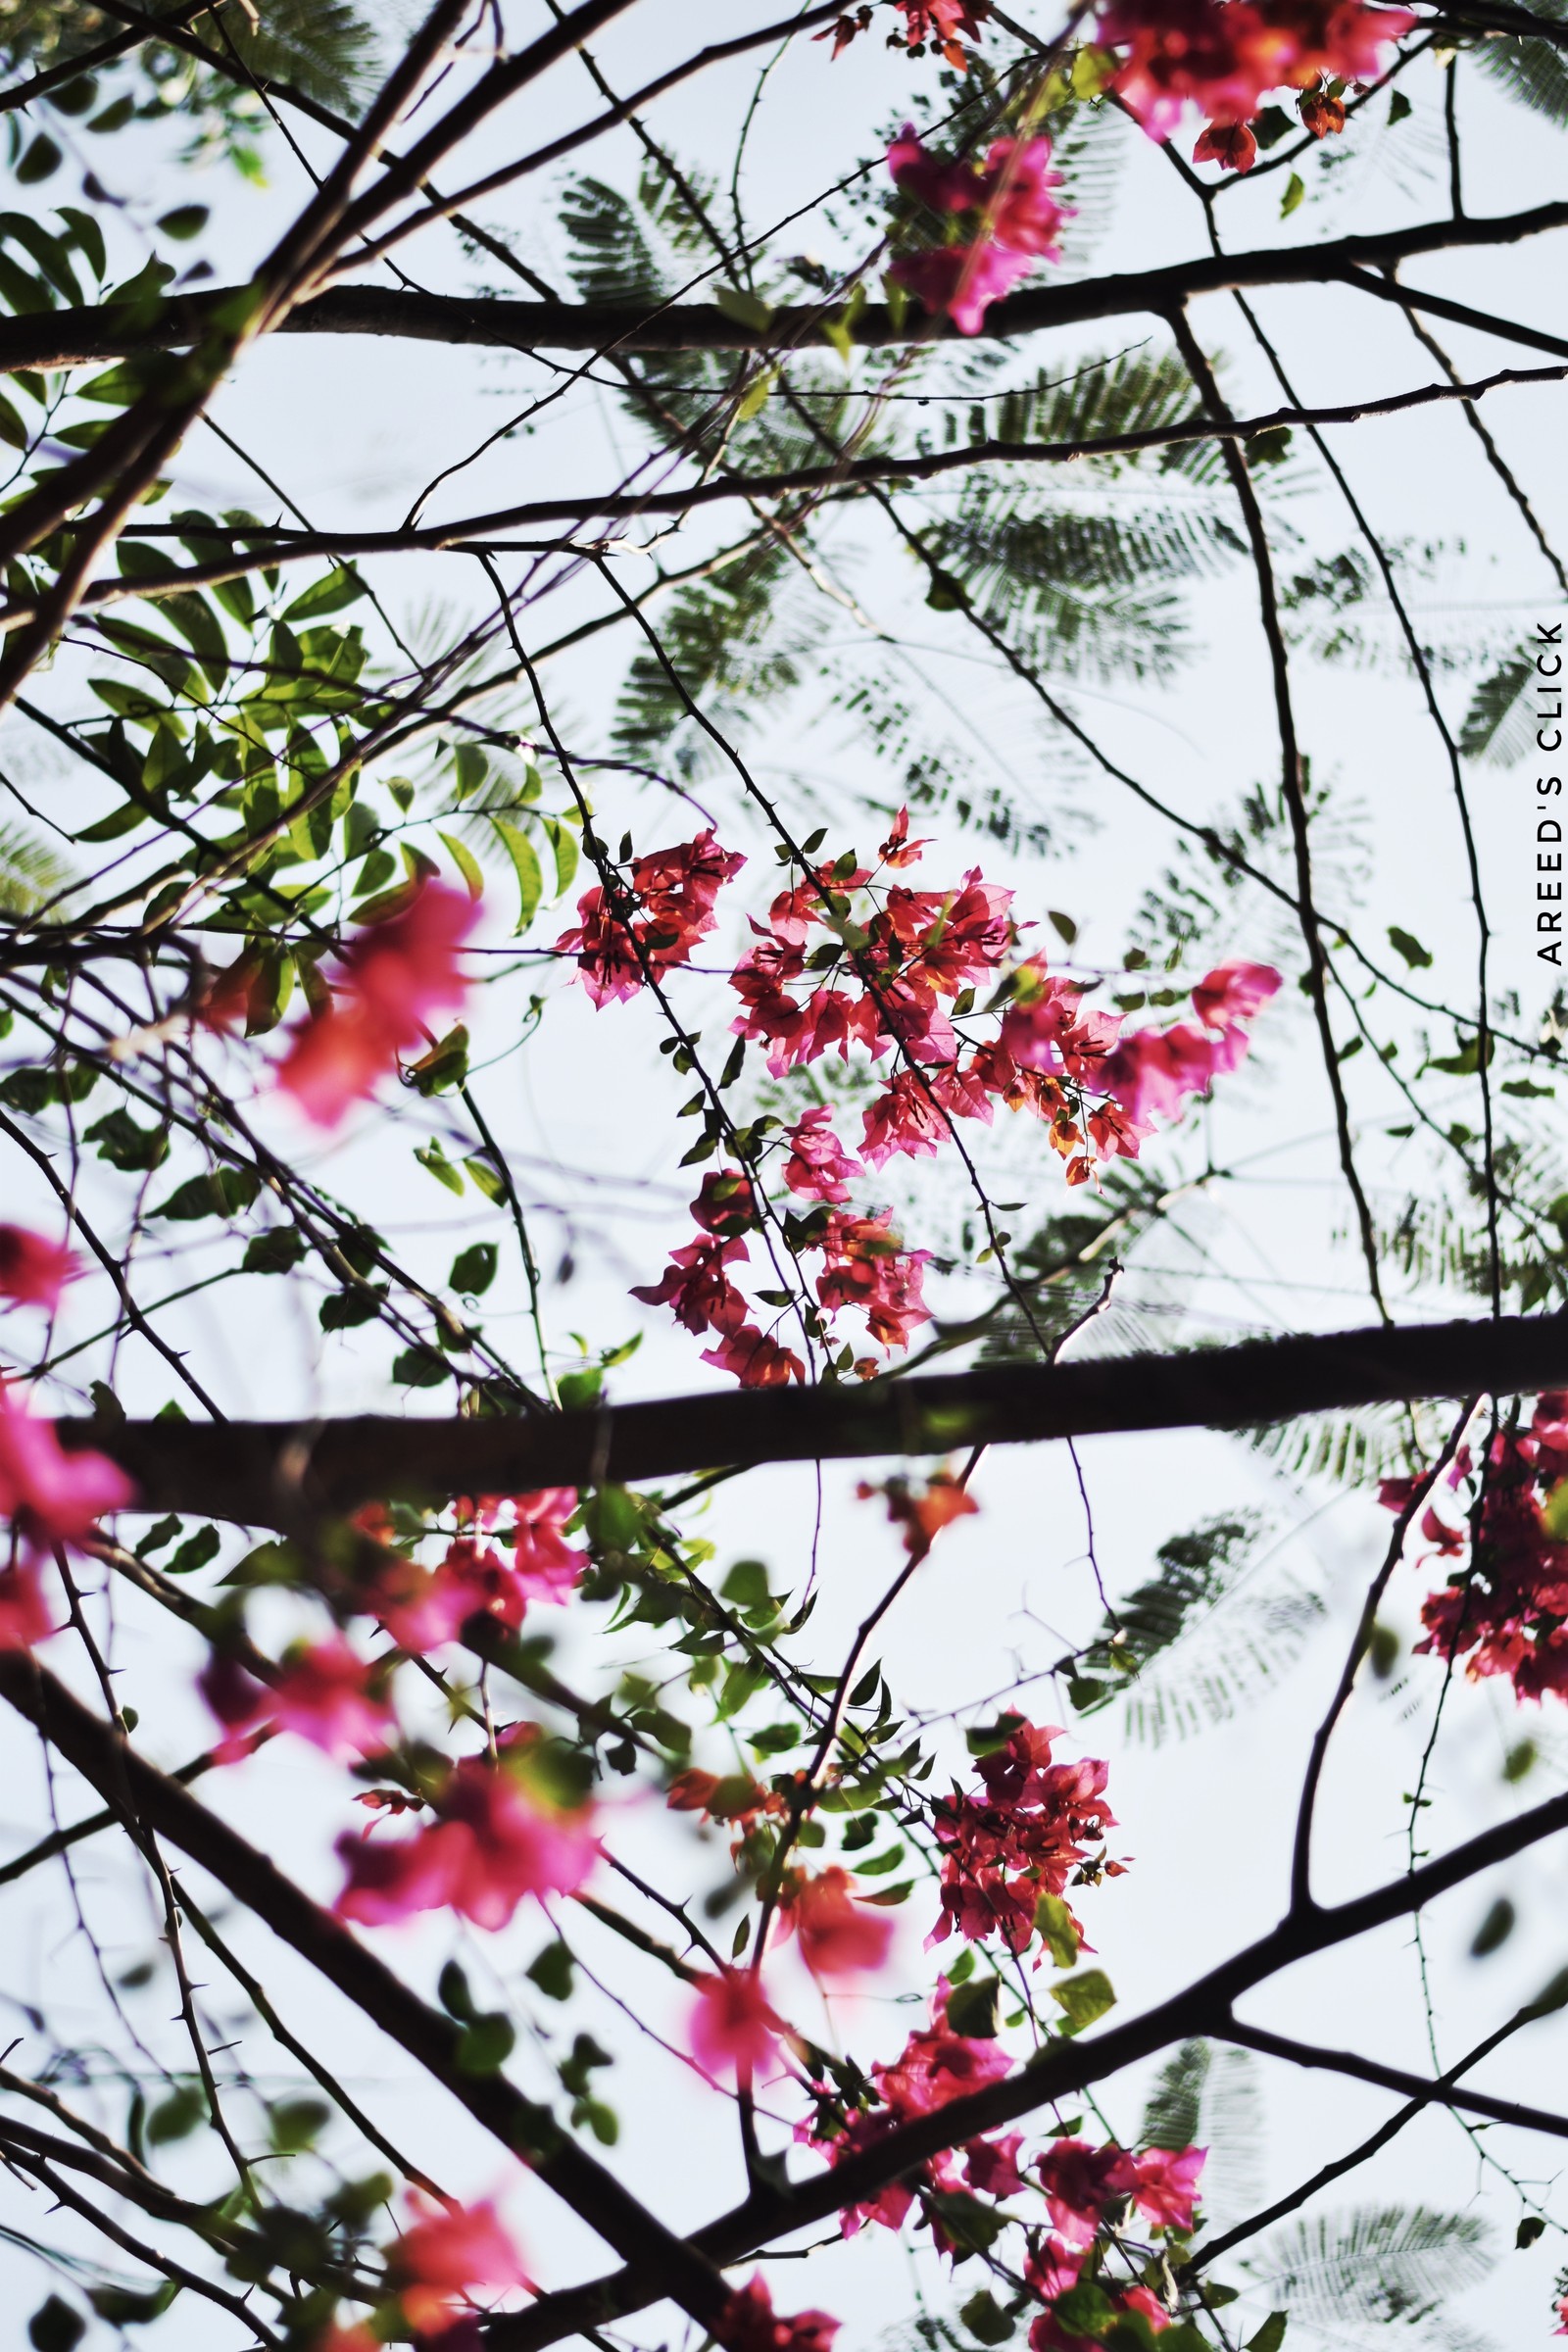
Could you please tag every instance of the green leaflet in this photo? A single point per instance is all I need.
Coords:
(526, 865)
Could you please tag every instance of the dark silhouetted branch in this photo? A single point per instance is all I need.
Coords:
(272, 1473)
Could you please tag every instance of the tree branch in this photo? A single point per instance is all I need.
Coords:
(69, 339)
(268, 1473)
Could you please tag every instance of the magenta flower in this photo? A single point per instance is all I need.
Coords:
(732, 2029)
(53, 1496)
(33, 1271)
(495, 1838)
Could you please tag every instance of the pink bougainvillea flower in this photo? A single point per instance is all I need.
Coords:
(1231, 144)
(446, 2254)
(899, 850)
(33, 1271)
(1016, 197)
(963, 280)
(53, 1496)
(837, 1935)
(750, 2323)
(653, 921)
(1079, 2182)
(1166, 2188)
(25, 1617)
(1018, 223)
(696, 1288)
(991, 2166)
(942, 187)
(1234, 992)
(756, 1360)
(866, 1268)
(498, 1833)
(734, 2030)
(1224, 56)
(546, 1567)
(935, 2066)
(923, 1513)
(818, 1164)
(1033, 1823)
(324, 1691)
(392, 978)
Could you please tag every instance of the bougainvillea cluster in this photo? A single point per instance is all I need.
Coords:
(853, 960)
(1160, 59)
(1001, 218)
(1032, 1828)
(942, 27)
(1504, 1610)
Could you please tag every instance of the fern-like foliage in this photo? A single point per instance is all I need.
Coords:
(1078, 589)
(1060, 1268)
(1200, 1639)
(1172, 2117)
(1497, 726)
(323, 47)
(1132, 392)
(736, 643)
(30, 873)
(1209, 2097)
(1375, 2266)
(1348, 1449)
(612, 254)
(1533, 72)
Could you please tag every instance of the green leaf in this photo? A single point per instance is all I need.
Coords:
(127, 1146)
(563, 841)
(419, 1368)
(887, 1897)
(972, 2007)
(1495, 1930)
(1054, 1923)
(485, 2046)
(467, 863)
(194, 1552)
(552, 1971)
(1409, 947)
(1399, 109)
(221, 1193)
(1294, 195)
(444, 1066)
(1551, 1998)
(473, 1269)
(747, 309)
(175, 2117)
(487, 1179)
(430, 1155)
(346, 1311)
(185, 221)
(1084, 1998)
(54, 2328)
(985, 2318)
(40, 159)
(579, 1390)
(277, 1253)
(754, 400)
(340, 588)
(1271, 2335)
(298, 2124)
(525, 861)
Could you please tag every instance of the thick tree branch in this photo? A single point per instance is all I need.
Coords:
(272, 1473)
(108, 331)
